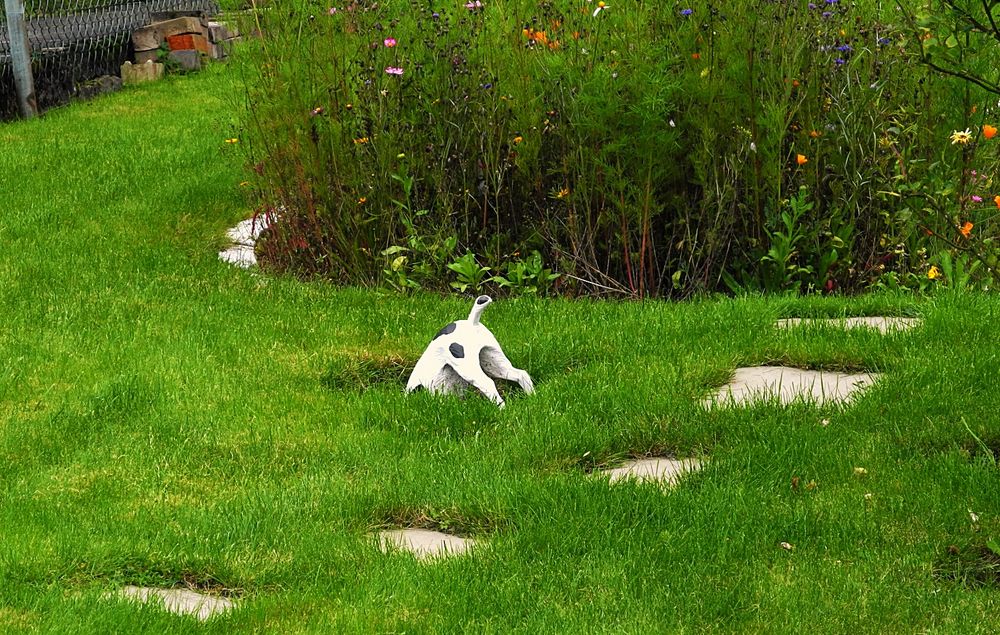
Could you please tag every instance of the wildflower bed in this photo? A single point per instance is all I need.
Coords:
(167, 420)
(642, 148)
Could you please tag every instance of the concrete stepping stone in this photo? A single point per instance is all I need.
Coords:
(881, 324)
(179, 601)
(668, 472)
(244, 237)
(788, 384)
(239, 255)
(246, 232)
(423, 543)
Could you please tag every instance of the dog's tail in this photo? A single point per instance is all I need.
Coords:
(477, 309)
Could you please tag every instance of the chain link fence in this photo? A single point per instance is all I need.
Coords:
(74, 41)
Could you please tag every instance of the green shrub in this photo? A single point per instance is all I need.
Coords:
(644, 149)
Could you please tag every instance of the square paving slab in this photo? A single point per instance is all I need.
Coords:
(665, 471)
(424, 543)
(882, 324)
(760, 383)
(179, 601)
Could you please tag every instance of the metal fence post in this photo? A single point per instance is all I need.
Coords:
(20, 58)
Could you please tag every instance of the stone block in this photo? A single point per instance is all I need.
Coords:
(152, 55)
(150, 37)
(188, 42)
(220, 31)
(139, 73)
(222, 50)
(101, 86)
(187, 60)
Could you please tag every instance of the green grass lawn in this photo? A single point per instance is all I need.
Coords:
(166, 419)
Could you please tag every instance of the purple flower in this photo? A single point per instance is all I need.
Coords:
(812, 5)
(435, 15)
(393, 70)
(832, 1)
(845, 48)
(827, 14)
(884, 41)
(687, 11)
(838, 61)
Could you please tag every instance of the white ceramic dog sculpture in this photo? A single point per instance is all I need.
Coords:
(465, 352)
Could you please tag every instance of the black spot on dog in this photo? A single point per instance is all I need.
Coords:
(456, 350)
(483, 299)
(446, 330)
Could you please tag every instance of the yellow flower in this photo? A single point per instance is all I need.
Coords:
(933, 273)
(518, 139)
(961, 136)
(563, 193)
(234, 140)
(360, 140)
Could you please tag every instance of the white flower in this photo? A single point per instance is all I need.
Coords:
(961, 136)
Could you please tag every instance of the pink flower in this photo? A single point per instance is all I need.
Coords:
(977, 199)
(472, 6)
(332, 10)
(393, 70)
(389, 42)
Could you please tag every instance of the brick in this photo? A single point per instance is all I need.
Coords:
(188, 42)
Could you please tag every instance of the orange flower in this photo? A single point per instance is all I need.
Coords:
(966, 229)
(802, 160)
(362, 200)
(815, 134)
(989, 131)
(696, 56)
(996, 199)
(795, 83)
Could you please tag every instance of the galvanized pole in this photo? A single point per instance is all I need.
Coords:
(20, 57)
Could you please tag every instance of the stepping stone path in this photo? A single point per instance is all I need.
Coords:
(180, 601)
(244, 237)
(788, 384)
(668, 472)
(882, 324)
(423, 543)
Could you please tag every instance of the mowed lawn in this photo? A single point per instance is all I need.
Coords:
(168, 420)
